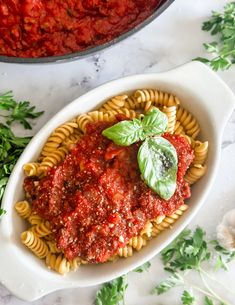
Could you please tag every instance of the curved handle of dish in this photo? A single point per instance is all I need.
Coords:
(217, 97)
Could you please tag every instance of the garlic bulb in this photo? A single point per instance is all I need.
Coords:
(226, 231)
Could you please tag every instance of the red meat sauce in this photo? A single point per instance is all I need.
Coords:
(39, 28)
(96, 200)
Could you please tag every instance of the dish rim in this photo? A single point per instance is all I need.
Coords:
(194, 67)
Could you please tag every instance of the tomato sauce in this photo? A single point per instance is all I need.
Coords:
(96, 200)
(39, 28)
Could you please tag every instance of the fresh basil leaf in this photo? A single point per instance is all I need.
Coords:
(158, 161)
(124, 133)
(154, 122)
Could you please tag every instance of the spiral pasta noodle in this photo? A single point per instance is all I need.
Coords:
(94, 116)
(171, 115)
(42, 229)
(40, 239)
(116, 102)
(58, 136)
(31, 169)
(137, 242)
(69, 142)
(194, 173)
(189, 123)
(168, 220)
(35, 244)
(52, 159)
(34, 219)
(130, 114)
(125, 251)
(158, 98)
(23, 209)
(146, 95)
(147, 230)
(200, 152)
(178, 128)
(75, 263)
(58, 263)
(52, 246)
(131, 103)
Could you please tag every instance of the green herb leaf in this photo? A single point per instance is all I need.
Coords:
(187, 251)
(211, 47)
(174, 280)
(125, 133)
(187, 298)
(144, 267)
(12, 146)
(112, 293)
(154, 122)
(202, 59)
(208, 301)
(229, 255)
(17, 112)
(190, 251)
(2, 212)
(223, 50)
(158, 160)
(220, 264)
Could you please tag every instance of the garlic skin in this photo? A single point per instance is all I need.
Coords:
(226, 231)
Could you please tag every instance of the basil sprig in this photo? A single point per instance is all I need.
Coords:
(157, 157)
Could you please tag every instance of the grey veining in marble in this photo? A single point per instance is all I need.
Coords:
(171, 40)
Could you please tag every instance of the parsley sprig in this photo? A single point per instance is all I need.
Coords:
(188, 253)
(222, 50)
(143, 268)
(12, 146)
(112, 293)
(18, 112)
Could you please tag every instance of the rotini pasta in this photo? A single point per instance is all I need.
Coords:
(189, 123)
(114, 103)
(42, 229)
(168, 221)
(31, 169)
(125, 251)
(52, 159)
(171, 115)
(137, 242)
(147, 230)
(58, 263)
(158, 98)
(200, 152)
(40, 238)
(34, 243)
(94, 116)
(52, 246)
(57, 137)
(23, 209)
(34, 219)
(194, 173)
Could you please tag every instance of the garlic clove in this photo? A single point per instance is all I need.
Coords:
(226, 231)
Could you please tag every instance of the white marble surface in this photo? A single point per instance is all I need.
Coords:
(173, 39)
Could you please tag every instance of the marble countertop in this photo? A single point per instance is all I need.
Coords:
(171, 40)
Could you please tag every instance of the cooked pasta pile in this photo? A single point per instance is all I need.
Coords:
(39, 239)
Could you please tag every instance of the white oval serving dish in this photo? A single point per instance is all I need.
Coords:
(201, 91)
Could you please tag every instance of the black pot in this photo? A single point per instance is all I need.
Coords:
(90, 51)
